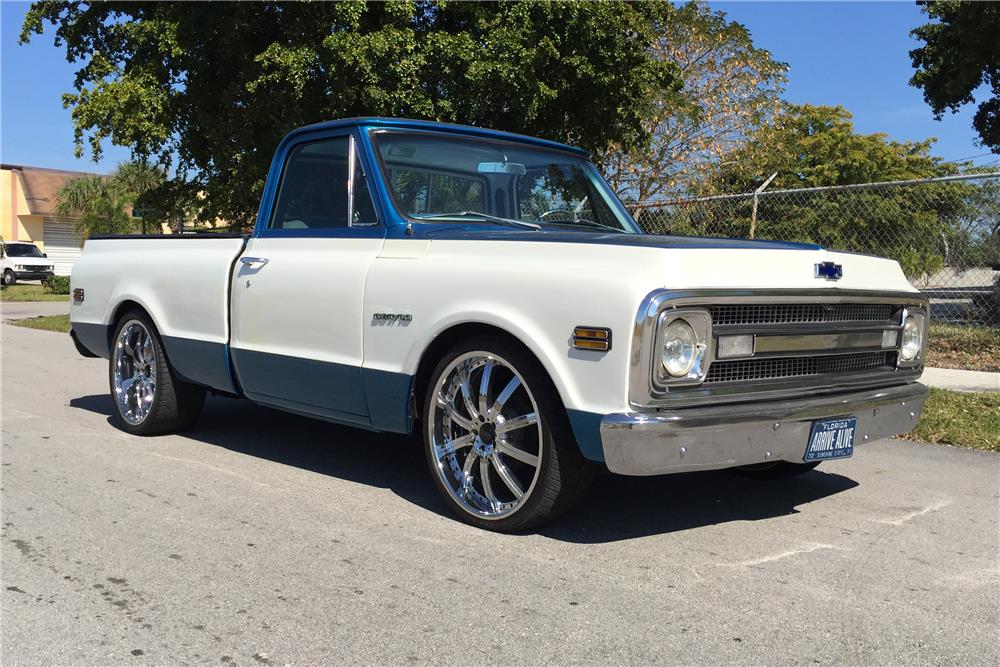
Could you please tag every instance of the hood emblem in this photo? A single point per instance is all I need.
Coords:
(829, 271)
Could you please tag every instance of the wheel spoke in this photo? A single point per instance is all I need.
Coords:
(513, 452)
(484, 387)
(470, 405)
(484, 472)
(453, 445)
(453, 414)
(470, 458)
(508, 478)
(147, 350)
(126, 385)
(505, 395)
(515, 423)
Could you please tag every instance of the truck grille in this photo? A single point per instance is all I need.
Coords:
(800, 313)
(749, 370)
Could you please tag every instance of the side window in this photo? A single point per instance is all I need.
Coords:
(364, 209)
(313, 190)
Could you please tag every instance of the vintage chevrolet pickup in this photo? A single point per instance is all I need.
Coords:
(490, 292)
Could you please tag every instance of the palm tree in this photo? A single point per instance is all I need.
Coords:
(105, 204)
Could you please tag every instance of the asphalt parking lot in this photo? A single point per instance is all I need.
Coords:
(265, 538)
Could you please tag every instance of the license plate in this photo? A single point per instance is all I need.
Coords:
(831, 439)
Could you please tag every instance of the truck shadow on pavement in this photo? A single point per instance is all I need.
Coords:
(617, 508)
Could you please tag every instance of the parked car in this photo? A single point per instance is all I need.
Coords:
(23, 261)
(489, 292)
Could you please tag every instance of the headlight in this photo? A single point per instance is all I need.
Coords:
(682, 337)
(912, 340)
(20, 267)
(680, 347)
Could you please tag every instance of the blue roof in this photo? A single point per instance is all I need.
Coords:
(427, 125)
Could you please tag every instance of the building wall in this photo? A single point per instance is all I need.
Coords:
(16, 221)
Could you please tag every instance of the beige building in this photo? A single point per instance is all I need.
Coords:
(28, 213)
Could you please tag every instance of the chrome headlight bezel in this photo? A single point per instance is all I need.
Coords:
(919, 318)
(700, 322)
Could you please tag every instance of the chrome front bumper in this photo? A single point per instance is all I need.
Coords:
(724, 436)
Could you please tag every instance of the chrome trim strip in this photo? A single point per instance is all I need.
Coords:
(643, 393)
(836, 342)
(715, 437)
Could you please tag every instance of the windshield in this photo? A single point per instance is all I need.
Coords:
(22, 250)
(457, 179)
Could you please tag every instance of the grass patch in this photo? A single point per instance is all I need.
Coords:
(969, 348)
(58, 323)
(30, 293)
(962, 419)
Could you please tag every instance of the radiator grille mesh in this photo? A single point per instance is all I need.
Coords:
(749, 370)
(800, 313)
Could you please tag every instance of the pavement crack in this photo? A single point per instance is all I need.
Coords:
(782, 555)
(899, 521)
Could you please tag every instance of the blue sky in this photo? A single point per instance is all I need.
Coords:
(852, 54)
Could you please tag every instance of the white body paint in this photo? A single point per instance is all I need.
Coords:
(316, 298)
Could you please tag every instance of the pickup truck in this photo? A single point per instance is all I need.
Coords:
(489, 292)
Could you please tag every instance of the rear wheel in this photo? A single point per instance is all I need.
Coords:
(497, 438)
(779, 470)
(148, 397)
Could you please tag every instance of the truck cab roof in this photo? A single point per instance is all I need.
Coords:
(383, 122)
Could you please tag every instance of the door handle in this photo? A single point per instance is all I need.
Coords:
(250, 261)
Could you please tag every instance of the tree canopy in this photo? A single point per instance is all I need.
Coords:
(816, 146)
(731, 88)
(209, 88)
(961, 53)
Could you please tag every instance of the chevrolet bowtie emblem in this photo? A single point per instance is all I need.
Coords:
(829, 271)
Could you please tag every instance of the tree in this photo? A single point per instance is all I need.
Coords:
(816, 146)
(105, 204)
(210, 88)
(731, 88)
(813, 146)
(961, 52)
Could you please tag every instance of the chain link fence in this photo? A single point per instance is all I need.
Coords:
(945, 232)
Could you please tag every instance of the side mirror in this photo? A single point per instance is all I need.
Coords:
(45, 254)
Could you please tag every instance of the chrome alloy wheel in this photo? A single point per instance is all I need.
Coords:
(135, 372)
(486, 435)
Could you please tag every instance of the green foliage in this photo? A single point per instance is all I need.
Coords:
(731, 88)
(960, 419)
(58, 323)
(961, 52)
(816, 146)
(135, 197)
(211, 87)
(57, 285)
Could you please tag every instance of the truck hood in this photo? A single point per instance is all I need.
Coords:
(478, 232)
(674, 262)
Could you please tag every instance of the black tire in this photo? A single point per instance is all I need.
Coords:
(779, 470)
(9, 278)
(563, 474)
(175, 404)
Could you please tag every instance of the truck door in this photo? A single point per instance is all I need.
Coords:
(298, 289)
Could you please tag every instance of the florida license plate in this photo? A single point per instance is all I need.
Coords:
(831, 439)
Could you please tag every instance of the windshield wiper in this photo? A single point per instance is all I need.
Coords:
(588, 223)
(510, 222)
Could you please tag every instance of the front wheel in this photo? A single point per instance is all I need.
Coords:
(497, 438)
(9, 278)
(148, 397)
